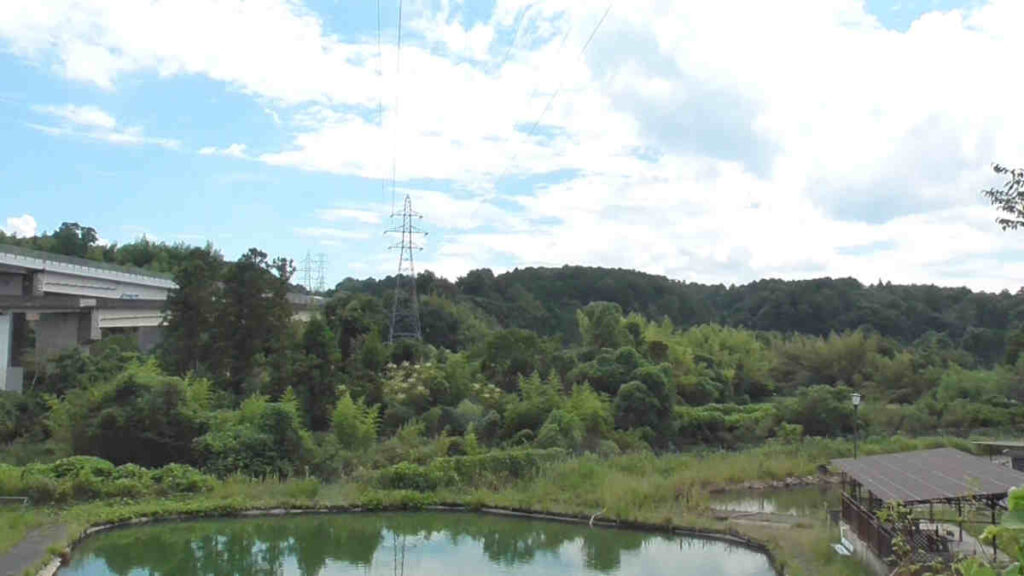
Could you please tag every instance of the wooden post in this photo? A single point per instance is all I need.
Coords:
(960, 518)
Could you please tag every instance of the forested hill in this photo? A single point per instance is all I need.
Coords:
(546, 299)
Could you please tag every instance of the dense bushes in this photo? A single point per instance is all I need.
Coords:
(16, 418)
(87, 478)
(261, 439)
(494, 469)
(355, 424)
(725, 424)
(332, 398)
(140, 415)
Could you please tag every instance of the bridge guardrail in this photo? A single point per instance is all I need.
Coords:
(81, 263)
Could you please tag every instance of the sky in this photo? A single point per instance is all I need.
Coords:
(717, 142)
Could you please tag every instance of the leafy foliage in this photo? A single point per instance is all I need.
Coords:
(261, 439)
(579, 359)
(1009, 199)
(141, 416)
(86, 478)
(355, 425)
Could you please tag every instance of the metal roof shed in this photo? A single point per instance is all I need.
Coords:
(939, 475)
(924, 477)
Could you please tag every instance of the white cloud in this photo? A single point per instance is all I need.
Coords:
(686, 141)
(331, 233)
(336, 214)
(89, 116)
(22, 226)
(273, 116)
(233, 151)
(276, 49)
(96, 124)
(195, 238)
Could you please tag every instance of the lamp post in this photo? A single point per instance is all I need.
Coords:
(855, 398)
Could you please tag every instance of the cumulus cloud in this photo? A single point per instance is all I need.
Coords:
(684, 141)
(80, 115)
(254, 46)
(22, 226)
(336, 214)
(331, 233)
(232, 151)
(94, 123)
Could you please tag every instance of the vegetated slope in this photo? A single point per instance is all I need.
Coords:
(545, 300)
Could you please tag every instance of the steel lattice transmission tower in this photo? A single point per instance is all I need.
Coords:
(305, 271)
(405, 309)
(321, 269)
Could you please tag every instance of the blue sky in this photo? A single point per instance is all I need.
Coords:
(805, 138)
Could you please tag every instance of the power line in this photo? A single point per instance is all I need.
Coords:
(398, 57)
(560, 84)
(398, 75)
(515, 37)
(380, 99)
(558, 90)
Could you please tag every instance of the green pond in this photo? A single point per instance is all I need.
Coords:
(413, 544)
(807, 501)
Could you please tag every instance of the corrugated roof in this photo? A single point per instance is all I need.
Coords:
(926, 475)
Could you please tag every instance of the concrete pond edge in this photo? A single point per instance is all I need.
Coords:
(725, 536)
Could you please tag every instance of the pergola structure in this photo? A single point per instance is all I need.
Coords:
(942, 476)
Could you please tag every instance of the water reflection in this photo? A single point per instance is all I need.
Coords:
(421, 544)
(806, 501)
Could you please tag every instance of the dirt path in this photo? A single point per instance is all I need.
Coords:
(32, 550)
(766, 518)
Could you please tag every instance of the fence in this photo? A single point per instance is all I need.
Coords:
(867, 527)
(878, 537)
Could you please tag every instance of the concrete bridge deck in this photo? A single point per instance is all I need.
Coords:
(70, 301)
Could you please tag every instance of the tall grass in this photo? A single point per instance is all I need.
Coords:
(670, 489)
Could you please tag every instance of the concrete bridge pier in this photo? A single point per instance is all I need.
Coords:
(11, 372)
(57, 332)
(149, 337)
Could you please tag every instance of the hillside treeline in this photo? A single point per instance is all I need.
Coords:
(576, 359)
(544, 300)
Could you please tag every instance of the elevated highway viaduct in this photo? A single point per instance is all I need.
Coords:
(70, 302)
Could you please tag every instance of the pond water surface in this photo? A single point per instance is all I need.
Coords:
(412, 544)
(806, 501)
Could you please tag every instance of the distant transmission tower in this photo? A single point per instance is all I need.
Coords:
(305, 271)
(321, 267)
(405, 310)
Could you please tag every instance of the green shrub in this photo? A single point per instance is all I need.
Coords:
(141, 415)
(18, 416)
(561, 430)
(262, 439)
(790, 433)
(302, 489)
(79, 466)
(86, 478)
(179, 478)
(490, 469)
(130, 481)
(355, 424)
(407, 476)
